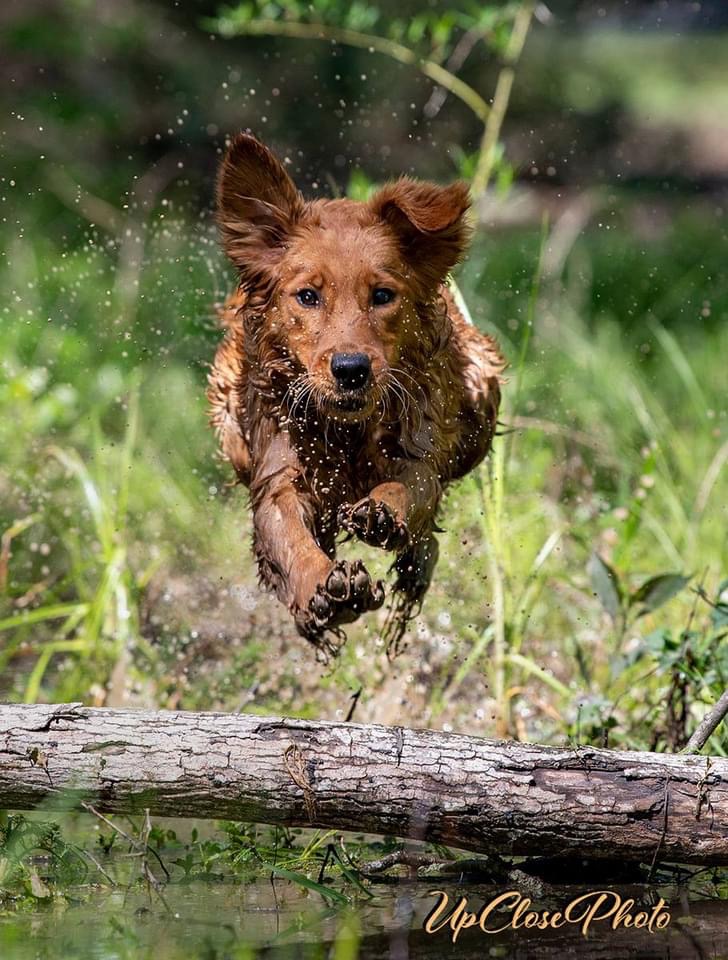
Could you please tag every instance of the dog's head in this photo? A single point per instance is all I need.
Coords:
(349, 283)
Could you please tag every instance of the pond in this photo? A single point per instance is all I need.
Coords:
(222, 919)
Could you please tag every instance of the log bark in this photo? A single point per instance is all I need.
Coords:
(474, 794)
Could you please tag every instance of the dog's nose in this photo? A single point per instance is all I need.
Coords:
(351, 370)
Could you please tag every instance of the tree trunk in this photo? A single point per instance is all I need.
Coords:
(480, 795)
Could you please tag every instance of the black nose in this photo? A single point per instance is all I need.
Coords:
(351, 370)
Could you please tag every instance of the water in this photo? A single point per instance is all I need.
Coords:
(221, 919)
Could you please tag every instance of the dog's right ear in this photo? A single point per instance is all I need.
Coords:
(257, 205)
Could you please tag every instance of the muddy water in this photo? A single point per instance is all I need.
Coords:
(223, 920)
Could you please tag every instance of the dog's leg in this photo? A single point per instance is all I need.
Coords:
(322, 594)
(398, 512)
(414, 569)
(399, 515)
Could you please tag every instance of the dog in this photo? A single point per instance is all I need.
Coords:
(348, 390)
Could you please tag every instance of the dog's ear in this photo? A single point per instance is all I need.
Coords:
(257, 205)
(429, 222)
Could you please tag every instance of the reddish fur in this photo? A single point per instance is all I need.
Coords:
(303, 462)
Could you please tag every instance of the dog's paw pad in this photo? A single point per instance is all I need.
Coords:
(361, 584)
(347, 592)
(375, 523)
(338, 584)
(319, 607)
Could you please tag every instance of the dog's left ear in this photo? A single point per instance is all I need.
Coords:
(429, 222)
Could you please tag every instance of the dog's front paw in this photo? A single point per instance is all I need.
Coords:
(347, 592)
(375, 523)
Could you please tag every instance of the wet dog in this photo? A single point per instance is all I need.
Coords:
(348, 390)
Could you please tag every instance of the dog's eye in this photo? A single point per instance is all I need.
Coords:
(382, 295)
(308, 297)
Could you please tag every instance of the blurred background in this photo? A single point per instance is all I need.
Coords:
(578, 597)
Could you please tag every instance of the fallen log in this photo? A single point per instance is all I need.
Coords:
(474, 794)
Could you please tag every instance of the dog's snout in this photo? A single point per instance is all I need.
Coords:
(351, 370)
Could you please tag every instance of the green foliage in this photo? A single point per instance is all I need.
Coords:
(432, 32)
(606, 586)
(360, 186)
(647, 598)
(22, 841)
(690, 666)
(102, 620)
(656, 591)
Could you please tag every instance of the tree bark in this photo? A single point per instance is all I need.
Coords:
(475, 794)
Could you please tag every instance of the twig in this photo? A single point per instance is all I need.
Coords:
(561, 430)
(666, 808)
(354, 702)
(126, 226)
(566, 231)
(142, 849)
(462, 50)
(130, 261)
(146, 869)
(94, 209)
(6, 542)
(98, 866)
(248, 697)
(277, 909)
(117, 829)
(707, 726)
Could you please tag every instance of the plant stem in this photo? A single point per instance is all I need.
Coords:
(530, 318)
(365, 41)
(492, 500)
(502, 95)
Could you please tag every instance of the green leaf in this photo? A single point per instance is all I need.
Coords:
(51, 612)
(606, 585)
(360, 186)
(656, 591)
(303, 881)
(530, 666)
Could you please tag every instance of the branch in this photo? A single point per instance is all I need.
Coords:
(708, 725)
(365, 41)
(463, 48)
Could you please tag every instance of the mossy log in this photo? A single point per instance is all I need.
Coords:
(471, 793)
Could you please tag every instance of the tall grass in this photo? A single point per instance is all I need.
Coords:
(606, 454)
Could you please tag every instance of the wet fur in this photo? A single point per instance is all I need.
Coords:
(313, 470)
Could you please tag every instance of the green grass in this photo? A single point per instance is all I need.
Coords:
(616, 394)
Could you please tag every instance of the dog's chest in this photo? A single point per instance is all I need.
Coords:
(344, 466)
